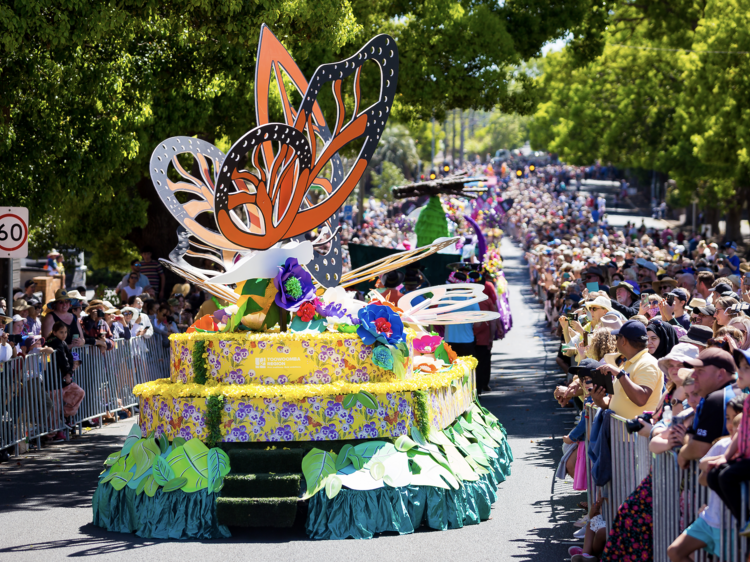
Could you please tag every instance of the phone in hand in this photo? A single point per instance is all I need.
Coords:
(604, 380)
(670, 300)
(592, 287)
(586, 339)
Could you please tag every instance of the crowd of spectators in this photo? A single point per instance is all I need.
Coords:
(70, 320)
(653, 327)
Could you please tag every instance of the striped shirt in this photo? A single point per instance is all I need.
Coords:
(152, 270)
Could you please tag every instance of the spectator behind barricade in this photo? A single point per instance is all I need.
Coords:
(705, 531)
(116, 324)
(150, 307)
(195, 297)
(7, 351)
(742, 323)
(183, 318)
(154, 271)
(713, 371)
(29, 287)
(703, 314)
(131, 288)
(661, 338)
(703, 284)
(724, 313)
(95, 328)
(164, 324)
(675, 313)
(65, 365)
(637, 381)
(33, 323)
(59, 311)
(625, 298)
(140, 317)
(730, 470)
(131, 317)
(135, 269)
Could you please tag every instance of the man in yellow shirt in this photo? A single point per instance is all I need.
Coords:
(638, 381)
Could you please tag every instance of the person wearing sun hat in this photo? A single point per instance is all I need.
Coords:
(664, 286)
(625, 297)
(59, 310)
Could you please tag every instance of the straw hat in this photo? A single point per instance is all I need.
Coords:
(20, 305)
(602, 302)
(53, 253)
(181, 288)
(74, 294)
(61, 295)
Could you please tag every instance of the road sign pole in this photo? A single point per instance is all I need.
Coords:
(9, 299)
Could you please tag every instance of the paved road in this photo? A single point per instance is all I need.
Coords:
(45, 498)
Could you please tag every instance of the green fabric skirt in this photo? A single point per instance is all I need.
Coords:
(174, 515)
(360, 514)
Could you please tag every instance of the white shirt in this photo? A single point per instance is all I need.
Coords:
(133, 292)
(712, 513)
(6, 352)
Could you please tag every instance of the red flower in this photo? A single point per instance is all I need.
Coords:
(383, 326)
(306, 312)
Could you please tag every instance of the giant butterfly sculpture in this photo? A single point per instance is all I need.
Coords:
(259, 193)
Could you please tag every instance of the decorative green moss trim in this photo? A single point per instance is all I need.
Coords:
(200, 371)
(421, 412)
(214, 407)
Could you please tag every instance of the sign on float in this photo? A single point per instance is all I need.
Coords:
(14, 232)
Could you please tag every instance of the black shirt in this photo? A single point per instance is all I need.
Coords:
(710, 423)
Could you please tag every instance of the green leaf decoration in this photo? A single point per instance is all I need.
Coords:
(163, 444)
(218, 485)
(120, 479)
(397, 472)
(135, 482)
(367, 399)
(218, 466)
(131, 439)
(377, 470)
(141, 486)
(365, 451)
(316, 466)
(343, 459)
(151, 486)
(191, 462)
(350, 401)
(178, 442)
(461, 440)
(467, 415)
(417, 436)
(436, 436)
(458, 464)
(110, 476)
(175, 484)
(112, 459)
(433, 474)
(163, 473)
(333, 486)
(439, 458)
(456, 428)
(477, 453)
(142, 456)
(403, 443)
(399, 363)
(442, 354)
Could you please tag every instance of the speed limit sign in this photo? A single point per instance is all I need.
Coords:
(14, 232)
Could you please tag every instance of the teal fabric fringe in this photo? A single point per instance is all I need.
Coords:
(174, 515)
(360, 514)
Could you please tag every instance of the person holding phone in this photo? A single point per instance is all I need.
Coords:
(637, 380)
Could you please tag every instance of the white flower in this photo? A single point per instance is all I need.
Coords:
(428, 364)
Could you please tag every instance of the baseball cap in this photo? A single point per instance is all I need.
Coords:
(713, 356)
(721, 288)
(732, 245)
(680, 294)
(708, 310)
(29, 283)
(647, 264)
(632, 330)
(584, 367)
(738, 354)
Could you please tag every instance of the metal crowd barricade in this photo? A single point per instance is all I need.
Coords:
(678, 497)
(31, 407)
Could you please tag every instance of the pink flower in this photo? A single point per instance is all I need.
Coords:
(427, 344)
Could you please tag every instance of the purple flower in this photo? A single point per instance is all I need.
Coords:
(294, 285)
(239, 434)
(186, 434)
(330, 310)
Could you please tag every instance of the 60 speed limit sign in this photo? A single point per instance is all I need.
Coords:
(14, 232)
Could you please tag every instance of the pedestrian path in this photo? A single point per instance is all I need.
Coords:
(46, 498)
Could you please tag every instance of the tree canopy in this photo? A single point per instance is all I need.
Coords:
(88, 89)
(669, 92)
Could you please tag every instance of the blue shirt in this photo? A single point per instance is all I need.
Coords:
(735, 263)
(461, 333)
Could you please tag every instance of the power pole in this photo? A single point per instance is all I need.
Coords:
(461, 151)
(432, 157)
(453, 140)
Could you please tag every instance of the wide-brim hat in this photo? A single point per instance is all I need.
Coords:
(181, 288)
(74, 294)
(603, 302)
(53, 253)
(697, 302)
(61, 295)
(698, 335)
(611, 321)
(393, 279)
(680, 353)
(20, 305)
(657, 285)
(595, 271)
(631, 286)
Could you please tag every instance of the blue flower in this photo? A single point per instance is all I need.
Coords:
(378, 323)
(382, 357)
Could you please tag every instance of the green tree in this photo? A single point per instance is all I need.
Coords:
(397, 147)
(384, 182)
(88, 89)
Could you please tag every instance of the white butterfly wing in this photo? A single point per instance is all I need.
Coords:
(446, 305)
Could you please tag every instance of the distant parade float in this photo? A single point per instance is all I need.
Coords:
(294, 399)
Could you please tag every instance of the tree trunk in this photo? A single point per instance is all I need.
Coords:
(734, 216)
(461, 151)
(453, 139)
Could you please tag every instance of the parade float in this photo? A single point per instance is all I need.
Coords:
(296, 400)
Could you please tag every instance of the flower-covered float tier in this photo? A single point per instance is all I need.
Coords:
(283, 358)
(315, 412)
